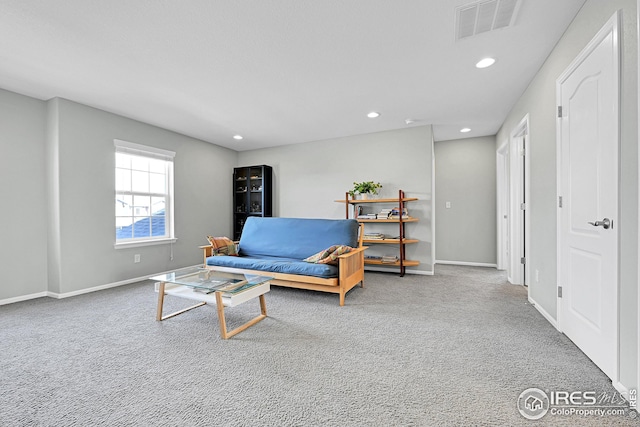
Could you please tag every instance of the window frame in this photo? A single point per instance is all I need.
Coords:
(150, 153)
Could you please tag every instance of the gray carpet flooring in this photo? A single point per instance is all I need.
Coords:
(456, 348)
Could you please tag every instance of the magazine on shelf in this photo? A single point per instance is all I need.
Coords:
(209, 285)
(235, 288)
(374, 236)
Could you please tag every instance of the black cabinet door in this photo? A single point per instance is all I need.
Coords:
(252, 194)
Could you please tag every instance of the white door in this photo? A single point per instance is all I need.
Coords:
(588, 95)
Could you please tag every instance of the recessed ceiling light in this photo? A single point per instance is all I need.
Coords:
(486, 62)
(465, 130)
(238, 137)
(373, 115)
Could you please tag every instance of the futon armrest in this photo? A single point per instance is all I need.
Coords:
(207, 252)
(351, 269)
(354, 252)
(351, 261)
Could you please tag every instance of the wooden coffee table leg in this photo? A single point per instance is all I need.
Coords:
(223, 324)
(221, 320)
(160, 301)
(263, 305)
(159, 315)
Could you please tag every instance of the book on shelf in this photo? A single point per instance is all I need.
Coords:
(368, 216)
(385, 259)
(384, 213)
(389, 259)
(395, 213)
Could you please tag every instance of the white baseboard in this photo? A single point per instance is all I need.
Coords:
(98, 288)
(392, 269)
(57, 295)
(544, 313)
(624, 391)
(23, 298)
(470, 264)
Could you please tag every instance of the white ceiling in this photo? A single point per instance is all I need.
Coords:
(276, 71)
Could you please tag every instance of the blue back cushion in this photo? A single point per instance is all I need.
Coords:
(295, 237)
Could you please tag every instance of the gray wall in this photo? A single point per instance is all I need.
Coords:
(57, 191)
(539, 101)
(309, 177)
(465, 176)
(202, 176)
(23, 201)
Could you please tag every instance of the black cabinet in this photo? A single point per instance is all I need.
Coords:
(252, 194)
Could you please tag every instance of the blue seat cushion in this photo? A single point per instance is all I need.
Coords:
(295, 238)
(275, 264)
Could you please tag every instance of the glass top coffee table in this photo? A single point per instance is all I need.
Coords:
(213, 287)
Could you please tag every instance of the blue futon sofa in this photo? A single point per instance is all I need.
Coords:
(277, 247)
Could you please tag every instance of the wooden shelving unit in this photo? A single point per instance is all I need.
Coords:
(400, 241)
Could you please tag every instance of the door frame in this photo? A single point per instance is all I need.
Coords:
(519, 231)
(502, 207)
(611, 26)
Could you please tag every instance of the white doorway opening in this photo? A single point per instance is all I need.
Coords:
(519, 228)
(502, 208)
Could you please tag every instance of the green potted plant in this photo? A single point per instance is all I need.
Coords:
(364, 189)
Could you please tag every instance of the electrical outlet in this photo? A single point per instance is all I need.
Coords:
(537, 276)
(136, 258)
(447, 205)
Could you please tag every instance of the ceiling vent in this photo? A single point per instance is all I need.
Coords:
(484, 15)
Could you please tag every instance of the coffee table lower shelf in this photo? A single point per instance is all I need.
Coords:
(218, 298)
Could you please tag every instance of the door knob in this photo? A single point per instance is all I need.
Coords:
(605, 223)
